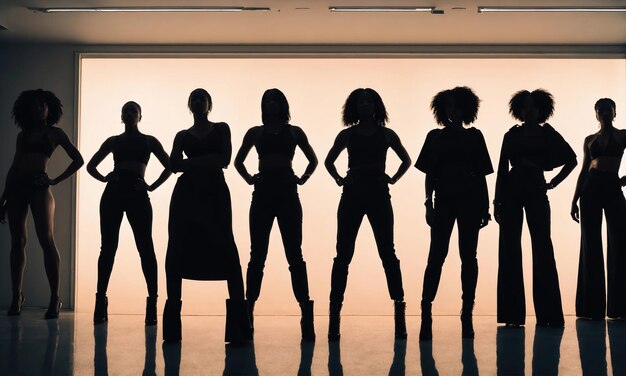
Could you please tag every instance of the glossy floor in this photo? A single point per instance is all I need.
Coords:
(30, 345)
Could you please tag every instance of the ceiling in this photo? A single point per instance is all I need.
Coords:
(298, 22)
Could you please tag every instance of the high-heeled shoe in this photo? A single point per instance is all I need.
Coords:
(53, 309)
(16, 306)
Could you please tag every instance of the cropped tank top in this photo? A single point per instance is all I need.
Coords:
(611, 149)
(209, 144)
(42, 145)
(135, 148)
(367, 149)
(282, 143)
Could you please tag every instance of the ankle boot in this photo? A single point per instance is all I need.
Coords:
(306, 322)
(334, 321)
(172, 325)
(399, 314)
(151, 311)
(467, 327)
(238, 328)
(100, 312)
(426, 329)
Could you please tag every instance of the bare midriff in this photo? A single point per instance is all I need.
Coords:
(135, 167)
(33, 162)
(274, 162)
(606, 164)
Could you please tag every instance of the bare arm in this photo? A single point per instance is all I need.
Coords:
(503, 169)
(581, 181)
(398, 148)
(9, 179)
(73, 153)
(92, 166)
(305, 146)
(341, 142)
(159, 152)
(249, 140)
(564, 173)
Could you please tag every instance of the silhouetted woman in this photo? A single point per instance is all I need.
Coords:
(201, 244)
(599, 188)
(27, 185)
(276, 196)
(530, 149)
(127, 192)
(455, 160)
(366, 192)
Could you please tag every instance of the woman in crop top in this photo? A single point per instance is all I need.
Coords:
(276, 196)
(599, 188)
(455, 160)
(530, 149)
(366, 192)
(201, 245)
(27, 185)
(127, 192)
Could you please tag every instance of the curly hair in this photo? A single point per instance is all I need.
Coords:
(284, 115)
(543, 100)
(201, 92)
(350, 114)
(24, 102)
(464, 99)
(604, 102)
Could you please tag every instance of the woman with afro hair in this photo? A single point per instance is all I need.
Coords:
(599, 188)
(455, 160)
(366, 192)
(27, 185)
(530, 149)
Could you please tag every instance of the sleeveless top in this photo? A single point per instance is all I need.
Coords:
(135, 148)
(611, 149)
(367, 149)
(282, 143)
(43, 145)
(208, 144)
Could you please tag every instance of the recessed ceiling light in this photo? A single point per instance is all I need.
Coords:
(150, 9)
(553, 9)
(381, 9)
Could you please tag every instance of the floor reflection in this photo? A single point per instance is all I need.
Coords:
(591, 336)
(510, 345)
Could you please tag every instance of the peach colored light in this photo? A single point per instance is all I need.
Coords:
(316, 90)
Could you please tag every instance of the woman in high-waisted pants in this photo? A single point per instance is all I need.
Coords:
(599, 189)
(127, 192)
(28, 186)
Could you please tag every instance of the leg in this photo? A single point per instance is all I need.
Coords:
(349, 218)
(139, 214)
(380, 215)
(439, 242)
(17, 212)
(290, 225)
(111, 214)
(546, 291)
(511, 301)
(469, 228)
(42, 207)
(615, 212)
(261, 221)
(591, 292)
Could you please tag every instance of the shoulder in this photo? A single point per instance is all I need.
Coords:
(152, 141)
(181, 135)
(57, 134)
(476, 134)
(433, 133)
(222, 126)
